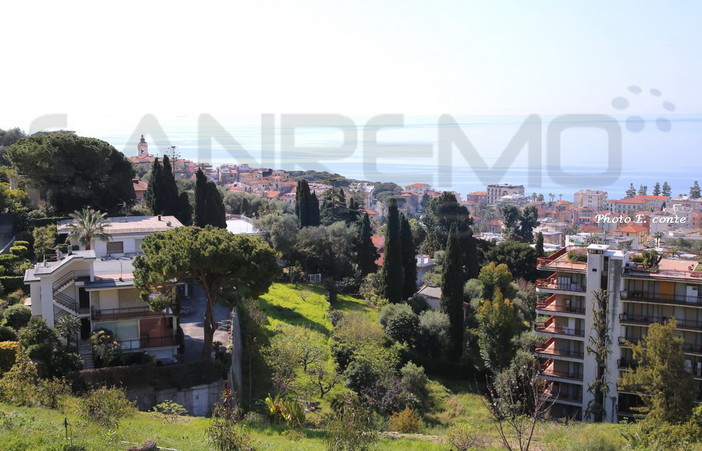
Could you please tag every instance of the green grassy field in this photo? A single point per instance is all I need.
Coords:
(23, 428)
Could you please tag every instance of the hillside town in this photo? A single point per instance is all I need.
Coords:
(192, 291)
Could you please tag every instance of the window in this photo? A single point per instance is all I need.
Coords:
(115, 247)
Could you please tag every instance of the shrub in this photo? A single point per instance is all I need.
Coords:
(21, 243)
(15, 297)
(17, 385)
(282, 409)
(9, 350)
(104, 345)
(7, 334)
(17, 316)
(418, 304)
(406, 421)
(415, 380)
(400, 322)
(11, 283)
(463, 437)
(50, 392)
(20, 251)
(225, 434)
(170, 410)
(350, 425)
(106, 407)
(577, 255)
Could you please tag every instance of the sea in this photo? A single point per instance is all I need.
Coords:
(548, 154)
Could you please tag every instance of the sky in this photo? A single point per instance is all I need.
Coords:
(105, 65)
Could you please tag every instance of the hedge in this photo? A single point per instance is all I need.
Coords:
(8, 354)
(161, 377)
(11, 283)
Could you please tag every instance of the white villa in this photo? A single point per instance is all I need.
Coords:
(97, 286)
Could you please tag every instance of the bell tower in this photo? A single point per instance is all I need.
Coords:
(143, 147)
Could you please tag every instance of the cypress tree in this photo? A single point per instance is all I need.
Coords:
(154, 193)
(169, 189)
(314, 210)
(303, 202)
(200, 196)
(185, 210)
(540, 245)
(666, 190)
(354, 214)
(409, 259)
(366, 251)
(391, 274)
(215, 212)
(469, 249)
(452, 282)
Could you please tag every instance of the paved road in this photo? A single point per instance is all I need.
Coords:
(192, 322)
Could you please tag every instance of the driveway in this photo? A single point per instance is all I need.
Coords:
(192, 321)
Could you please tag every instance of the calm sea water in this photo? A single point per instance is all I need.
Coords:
(420, 150)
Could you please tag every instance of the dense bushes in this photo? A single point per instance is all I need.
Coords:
(8, 354)
(17, 316)
(106, 407)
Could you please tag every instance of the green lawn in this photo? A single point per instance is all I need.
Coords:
(39, 429)
(24, 428)
(305, 305)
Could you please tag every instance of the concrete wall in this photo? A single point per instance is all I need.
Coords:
(235, 376)
(198, 400)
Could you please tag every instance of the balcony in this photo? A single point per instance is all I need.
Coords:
(549, 326)
(688, 348)
(625, 318)
(148, 342)
(127, 312)
(560, 261)
(548, 369)
(672, 299)
(552, 305)
(556, 396)
(553, 351)
(552, 283)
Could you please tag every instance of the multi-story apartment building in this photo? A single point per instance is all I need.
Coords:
(637, 297)
(494, 192)
(97, 286)
(590, 198)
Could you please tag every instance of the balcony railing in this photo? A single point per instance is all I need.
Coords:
(688, 348)
(148, 342)
(550, 328)
(553, 351)
(548, 369)
(675, 299)
(127, 312)
(563, 396)
(554, 284)
(551, 304)
(645, 320)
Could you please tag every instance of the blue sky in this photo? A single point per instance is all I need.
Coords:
(107, 64)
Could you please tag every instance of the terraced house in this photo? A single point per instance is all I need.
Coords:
(97, 286)
(639, 295)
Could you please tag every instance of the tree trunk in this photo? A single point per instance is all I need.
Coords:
(209, 322)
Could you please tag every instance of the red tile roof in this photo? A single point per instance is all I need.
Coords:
(378, 241)
(630, 200)
(631, 228)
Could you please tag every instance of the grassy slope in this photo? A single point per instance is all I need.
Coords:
(33, 428)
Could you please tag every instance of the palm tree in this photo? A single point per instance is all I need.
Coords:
(88, 224)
